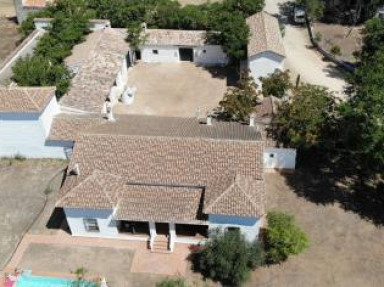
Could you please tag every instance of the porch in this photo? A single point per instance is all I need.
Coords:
(162, 236)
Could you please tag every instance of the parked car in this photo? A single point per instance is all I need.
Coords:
(299, 14)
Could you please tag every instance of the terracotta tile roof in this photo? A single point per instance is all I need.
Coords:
(235, 195)
(96, 192)
(25, 99)
(67, 127)
(35, 3)
(159, 203)
(175, 37)
(103, 57)
(162, 164)
(265, 35)
(175, 127)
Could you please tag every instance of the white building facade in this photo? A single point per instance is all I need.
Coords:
(26, 116)
(174, 46)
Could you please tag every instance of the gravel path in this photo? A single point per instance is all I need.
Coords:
(304, 61)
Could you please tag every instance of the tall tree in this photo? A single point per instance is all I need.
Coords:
(303, 122)
(239, 102)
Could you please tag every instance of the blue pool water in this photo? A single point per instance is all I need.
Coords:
(38, 281)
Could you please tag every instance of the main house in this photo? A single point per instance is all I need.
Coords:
(162, 179)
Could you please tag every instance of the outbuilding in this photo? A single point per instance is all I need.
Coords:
(266, 52)
(26, 115)
(174, 46)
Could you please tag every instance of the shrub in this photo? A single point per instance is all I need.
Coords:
(238, 103)
(171, 282)
(335, 50)
(276, 84)
(228, 258)
(318, 37)
(283, 237)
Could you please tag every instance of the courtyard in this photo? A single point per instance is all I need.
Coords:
(175, 89)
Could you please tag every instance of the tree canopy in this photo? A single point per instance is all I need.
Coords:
(301, 122)
(239, 102)
(228, 258)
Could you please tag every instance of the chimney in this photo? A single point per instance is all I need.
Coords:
(110, 116)
(75, 170)
(209, 120)
(251, 120)
(144, 27)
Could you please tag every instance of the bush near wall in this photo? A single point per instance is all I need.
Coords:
(283, 237)
(228, 258)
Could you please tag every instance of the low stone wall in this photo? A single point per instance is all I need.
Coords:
(24, 49)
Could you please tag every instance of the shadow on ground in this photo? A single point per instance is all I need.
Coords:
(230, 73)
(337, 181)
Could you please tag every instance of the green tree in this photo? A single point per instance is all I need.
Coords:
(232, 32)
(283, 237)
(373, 34)
(303, 122)
(314, 8)
(171, 282)
(238, 103)
(276, 84)
(246, 7)
(39, 71)
(228, 258)
(362, 116)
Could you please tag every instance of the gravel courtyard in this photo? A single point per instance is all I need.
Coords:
(22, 187)
(345, 249)
(174, 89)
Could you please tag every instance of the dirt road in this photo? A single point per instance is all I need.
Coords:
(304, 61)
(7, 8)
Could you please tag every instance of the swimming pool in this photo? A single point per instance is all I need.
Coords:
(39, 281)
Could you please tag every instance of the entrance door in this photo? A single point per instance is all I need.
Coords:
(162, 228)
(186, 54)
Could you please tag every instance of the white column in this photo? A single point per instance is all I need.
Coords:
(172, 235)
(152, 229)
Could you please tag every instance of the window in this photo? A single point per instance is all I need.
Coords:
(156, 52)
(91, 225)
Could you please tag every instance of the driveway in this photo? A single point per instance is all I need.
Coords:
(304, 61)
(345, 249)
(174, 89)
(22, 197)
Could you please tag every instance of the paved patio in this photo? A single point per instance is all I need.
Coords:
(123, 262)
(175, 89)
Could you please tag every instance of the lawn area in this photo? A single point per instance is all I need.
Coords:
(22, 196)
(346, 250)
(349, 39)
(10, 37)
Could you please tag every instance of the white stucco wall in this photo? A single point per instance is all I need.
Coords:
(166, 54)
(204, 55)
(210, 55)
(249, 226)
(263, 64)
(25, 134)
(107, 226)
(279, 158)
